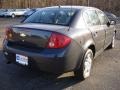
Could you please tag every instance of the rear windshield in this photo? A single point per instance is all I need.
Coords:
(55, 16)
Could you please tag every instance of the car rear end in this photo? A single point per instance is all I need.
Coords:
(49, 47)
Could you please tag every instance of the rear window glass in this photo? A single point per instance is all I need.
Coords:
(55, 16)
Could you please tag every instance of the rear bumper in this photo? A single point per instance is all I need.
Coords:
(49, 60)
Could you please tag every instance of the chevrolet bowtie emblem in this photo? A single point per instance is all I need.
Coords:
(23, 35)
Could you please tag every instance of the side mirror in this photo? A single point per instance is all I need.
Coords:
(108, 24)
(112, 22)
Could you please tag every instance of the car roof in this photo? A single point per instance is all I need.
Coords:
(74, 7)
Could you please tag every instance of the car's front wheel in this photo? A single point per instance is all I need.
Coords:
(85, 69)
(112, 45)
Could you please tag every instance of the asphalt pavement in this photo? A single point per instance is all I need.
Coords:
(105, 74)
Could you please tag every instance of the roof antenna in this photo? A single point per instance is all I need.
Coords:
(59, 6)
(70, 12)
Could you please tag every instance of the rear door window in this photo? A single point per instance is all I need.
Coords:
(103, 18)
(91, 17)
(87, 19)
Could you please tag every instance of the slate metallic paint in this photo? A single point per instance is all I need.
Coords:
(65, 59)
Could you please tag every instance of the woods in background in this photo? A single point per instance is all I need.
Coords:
(108, 5)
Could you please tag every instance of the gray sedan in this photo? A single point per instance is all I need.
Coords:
(60, 39)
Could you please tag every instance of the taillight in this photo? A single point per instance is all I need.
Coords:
(8, 33)
(57, 40)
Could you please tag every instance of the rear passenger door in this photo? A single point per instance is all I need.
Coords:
(98, 33)
(109, 30)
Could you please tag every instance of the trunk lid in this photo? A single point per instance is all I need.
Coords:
(34, 36)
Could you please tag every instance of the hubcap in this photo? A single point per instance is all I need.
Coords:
(87, 65)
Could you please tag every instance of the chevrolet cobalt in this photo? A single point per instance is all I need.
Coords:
(60, 39)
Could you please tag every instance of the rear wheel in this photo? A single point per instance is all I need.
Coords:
(85, 69)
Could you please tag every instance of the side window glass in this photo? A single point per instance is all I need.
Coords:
(91, 17)
(102, 17)
(86, 18)
(94, 19)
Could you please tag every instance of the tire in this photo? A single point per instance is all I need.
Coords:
(86, 66)
(7, 59)
(13, 15)
(112, 45)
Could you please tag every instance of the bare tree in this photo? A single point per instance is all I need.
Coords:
(111, 5)
(0, 3)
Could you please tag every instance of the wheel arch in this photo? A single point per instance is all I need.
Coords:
(90, 45)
